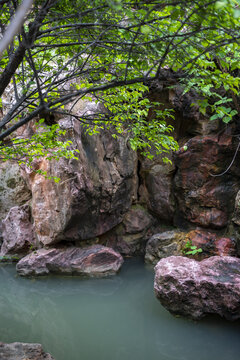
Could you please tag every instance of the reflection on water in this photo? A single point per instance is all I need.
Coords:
(116, 318)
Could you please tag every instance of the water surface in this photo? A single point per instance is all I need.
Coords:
(107, 319)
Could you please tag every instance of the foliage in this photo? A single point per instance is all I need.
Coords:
(114, 50)
(190, 249)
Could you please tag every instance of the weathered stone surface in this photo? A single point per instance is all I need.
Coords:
(129, 238)
(90, 261)
(204, 199)
(23, 351)
(211, 243)
(94, 193)
(13, 188)
(190, 288)
(156, 189)
(163, 245)
(17, 231)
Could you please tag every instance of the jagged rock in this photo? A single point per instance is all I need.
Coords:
(211, 243)
(17, 231)
(163, 245)
(13, 188)
(94, 193)
(204, 199)
(190, 288)
(129, 238)
(23, 351)
(90, 261)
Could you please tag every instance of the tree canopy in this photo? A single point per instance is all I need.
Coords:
(112, 50)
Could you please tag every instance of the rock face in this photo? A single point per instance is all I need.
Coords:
(129, 238)
(13, 188)
(93, 195)
(156, 189)
(193, 289)
(93, 261)
(203, 199)
(17, 233)
(163, 245)
(23, 351)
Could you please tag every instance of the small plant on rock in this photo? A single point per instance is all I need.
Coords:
(190, 249)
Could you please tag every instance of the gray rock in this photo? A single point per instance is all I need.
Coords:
(23, 351)
(163, 245)
(17, 231)
(93, 261)
(190, 288)
(13, 188)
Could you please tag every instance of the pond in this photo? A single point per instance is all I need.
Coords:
(107, 319)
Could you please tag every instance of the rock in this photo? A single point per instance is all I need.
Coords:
(23, 351)
(203, 199)
(130, 237)
(211, 243)
(94, 192)
(90, 261)
(156, 189)
(13, 188)
(190, 288)
(17, 231)
(163, 245)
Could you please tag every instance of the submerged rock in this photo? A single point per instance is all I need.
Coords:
(23, 351)
(190, 288)
(90, 261)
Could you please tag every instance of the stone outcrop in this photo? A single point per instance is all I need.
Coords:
(23, 351)
(156, 189)
(17, 232)
(211, 243)
(203, 199)
(163, 245)
(94, 193)
(13, 188)
(173, 242)
(93, 261)
(129, 238)
(190, 288)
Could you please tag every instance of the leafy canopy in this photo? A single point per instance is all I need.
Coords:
(112, 51)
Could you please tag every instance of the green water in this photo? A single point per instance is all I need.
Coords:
(107, 319)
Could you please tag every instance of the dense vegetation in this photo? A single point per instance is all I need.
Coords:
(112, 51)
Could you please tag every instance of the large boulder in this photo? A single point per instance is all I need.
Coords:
(193, 289)
(94, 193)
(17, 232)
(204, 199)
(23, 351)
(93, 261)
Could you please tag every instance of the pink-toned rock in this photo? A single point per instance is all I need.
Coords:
(211, 243)
(94, 193)
(203, 199)
(190, 288)
(17, 232)
(23, 351)
(93, 261)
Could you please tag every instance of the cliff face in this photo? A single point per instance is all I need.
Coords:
(112, 196)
